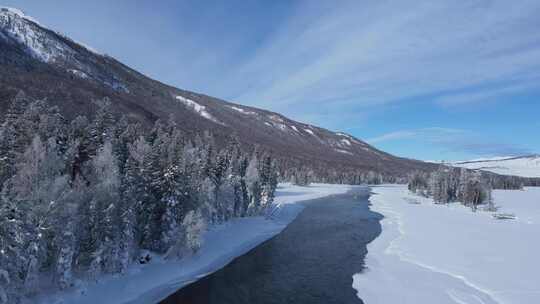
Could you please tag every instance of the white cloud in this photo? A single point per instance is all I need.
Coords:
(434, 134)
(393, 136)
(369, 52)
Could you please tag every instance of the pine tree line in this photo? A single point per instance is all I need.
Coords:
(305, 175)
(87, 196)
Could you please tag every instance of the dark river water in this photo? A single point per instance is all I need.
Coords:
(311, 261)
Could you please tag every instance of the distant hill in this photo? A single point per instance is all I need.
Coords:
(524, 166)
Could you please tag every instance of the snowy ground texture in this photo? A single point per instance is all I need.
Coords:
(153, 282)
(447, 254)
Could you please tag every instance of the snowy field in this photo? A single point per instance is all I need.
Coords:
(447, 254)
(153, 282)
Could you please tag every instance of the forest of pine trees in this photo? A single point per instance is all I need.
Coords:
(87, 196)
(453, 185)
(304, 175)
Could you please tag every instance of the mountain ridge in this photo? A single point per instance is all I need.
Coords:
(47, 64)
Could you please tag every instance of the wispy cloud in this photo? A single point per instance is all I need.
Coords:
(432, 135)
(453, 140)
(381, 51)
(397, 135)
(487, 94)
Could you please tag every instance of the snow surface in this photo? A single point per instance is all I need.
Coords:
(197, 108)
(276, 125)
(345, 141)
(275, 118)
(441, 254)
(518, 166)
(351, 138)
(309, 131)
(222, 243)
(243, 111)
(343, 151)
(78, 73)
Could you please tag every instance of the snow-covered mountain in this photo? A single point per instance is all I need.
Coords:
(525, 166)
(46, 64)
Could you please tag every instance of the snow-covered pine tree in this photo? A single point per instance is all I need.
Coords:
(175, 195)
(106, 195)
(53, 125)
(65, 241)
(12, 259)
(194, 226)
(123, 135)
(131, 188)
(61, 222)
(217, 173)
(206, 197)
(4, 283)
(135, 187)
(102, 127)
(244, 200)
(86, 222)
(13, 136)
(253, 185)
(269, 181)
(39, 182)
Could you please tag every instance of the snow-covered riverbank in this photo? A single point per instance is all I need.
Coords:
(447, 254)
(151, 283)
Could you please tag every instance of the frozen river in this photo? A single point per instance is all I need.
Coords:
(312, 261)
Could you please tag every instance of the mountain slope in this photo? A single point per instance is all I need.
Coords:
(46, 64)
(524, 166)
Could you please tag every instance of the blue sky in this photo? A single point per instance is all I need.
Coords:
(425, 79)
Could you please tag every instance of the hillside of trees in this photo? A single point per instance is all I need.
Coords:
(303, 174)
(84, 197)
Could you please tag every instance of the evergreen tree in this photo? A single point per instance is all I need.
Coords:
(194, 225)
(106, 196)
(269, 181)
(253, 185)
(13, 136)
(4, 283)
(175, 194)
(102, 127)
